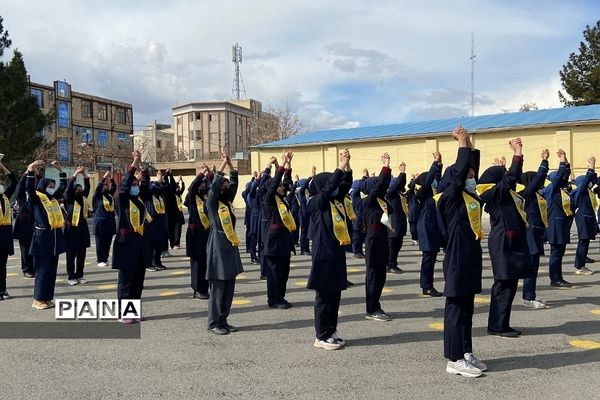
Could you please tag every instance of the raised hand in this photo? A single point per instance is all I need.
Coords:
(592, 162)
(402, 167)
(503, 161)
(437, 157)
(545, 154)
(515, 144)
(35, 165)
(365, 172)
(136, 155)
(79, 170)
(460, 133)
(385, 159)
(56, 164)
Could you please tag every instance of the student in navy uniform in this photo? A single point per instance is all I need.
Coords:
(174, 204)
(428, 232)
(329, 235)
(397, 198)
(248, 212)
(413, 209)
(377, 210)
(507, 241)
(6, 229)
(459, 216)
(537, 221)
(278, 239)
(358, 225)
(292, 200)
(158, 229)
(77, 233)
(23, 227)
(223, 256)
(560, 218)
(254, 203)
(584, 202)
(48, 240)
(129, 247)
(105, 226)
(305, 214)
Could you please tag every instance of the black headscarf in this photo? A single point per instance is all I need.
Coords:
(527, 177)
(447, 178)
(43, 184)
(318, 182)
(493, 174)
(369, 184)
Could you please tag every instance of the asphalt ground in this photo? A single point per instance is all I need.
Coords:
(272, 356)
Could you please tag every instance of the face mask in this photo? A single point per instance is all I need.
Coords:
(134, 190)
(1, 189)
(470, 185)
(434, 184)
(50, 191)
(590, 185)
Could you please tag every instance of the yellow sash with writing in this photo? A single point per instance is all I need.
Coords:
(520, 204)
(53, 212)
(404, 202)
(384, 207)
(474, 213)
(348, 208)
(227, 224)
(135, 219)
(5, 216)
(179, 202)
(108, 204)
(76, 214)
(593, 199)
(340, 227)
(565, 199)
(543, 206)
(159, 204)
(200, 208)
(284, 214)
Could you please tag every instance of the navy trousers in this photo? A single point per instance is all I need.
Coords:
(45, 277)
(458, 327)
(503, 294)
(327, 305)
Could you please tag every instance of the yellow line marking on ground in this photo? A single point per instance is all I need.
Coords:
(482, 300)
(386, 290)
(585, 344)
(12, 274)
(520, 284)
(241, 301)
(179, 273)
(167, 293)
(301, 283)
(107, 286)
(354, 270)
(240, 277)
(597, 311)
(437, 326)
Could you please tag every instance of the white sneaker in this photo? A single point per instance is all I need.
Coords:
(536, 304)
(72, 282)
(338, 339)
(329, 344)
(102, 264)
(462, 367)
(476, 362)
(81, 281)
(584, 271)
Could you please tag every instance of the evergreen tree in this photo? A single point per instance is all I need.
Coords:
(580, 76)
(20, 118)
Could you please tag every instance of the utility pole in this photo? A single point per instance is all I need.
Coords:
(236, 57)
(472, 58)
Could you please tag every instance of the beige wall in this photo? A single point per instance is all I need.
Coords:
(578, 141)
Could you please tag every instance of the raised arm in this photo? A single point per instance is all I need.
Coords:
(540, 176)
(463, 163)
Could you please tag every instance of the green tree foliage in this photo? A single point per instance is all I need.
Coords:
(20, 118)
(580, 76)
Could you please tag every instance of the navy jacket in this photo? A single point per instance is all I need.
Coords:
(23, 224)
(585, 216)
(277, 239)
(559, 224)
(104, 221)
(394, 197)
(196, 235)
(77, 236)
(428, 231)
(6, 231)
(536, 228)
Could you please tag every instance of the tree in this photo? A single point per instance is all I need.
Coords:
(580, 76)
(276, 123)
(21, 121)
(528, 107)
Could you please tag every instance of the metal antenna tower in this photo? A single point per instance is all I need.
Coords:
(236, 57)
(472, 58)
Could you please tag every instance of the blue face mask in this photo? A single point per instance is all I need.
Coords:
(134, 190)
(335, 192)
(470, 185)
(434, 184)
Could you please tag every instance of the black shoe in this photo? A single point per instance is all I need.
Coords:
(290, 305)
(152, 269)
(349, 284)
(1, 297)
(28, 275)
(379, 315)
(254, 261)
(518, 332)
(394, 270)
(431, 293)
(5, 295)
(230, 328)
(282, 305)
(305, 253)
(589, 260)
(508, 334)
(161, 267)
(263, 277)
(217, 330)
(561, 284)
(201, 296)
(360, 256)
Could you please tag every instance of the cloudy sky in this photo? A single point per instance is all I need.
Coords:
(337, 63)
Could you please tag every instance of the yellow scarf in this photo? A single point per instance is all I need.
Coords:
(108, 204)
(135, 219)
(159, 205)
(226, 223)
(5, 217)
(474, 212)
(340, 227)
(593, 199)
(384, 206)
(55, 215)
(284, 214)
(179, 202)
(566, 202)
(200, 208)
(543, 206)
(76, 214)
(520, 204)
(404, 202)
(348, 208)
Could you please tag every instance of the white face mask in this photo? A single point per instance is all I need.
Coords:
(1, 189)
(50, 191)
(434, 184)
(470, 185)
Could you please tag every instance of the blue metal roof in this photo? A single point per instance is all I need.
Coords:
(473, 124)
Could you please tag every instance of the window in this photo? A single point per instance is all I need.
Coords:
(124, 141)
(85, 134)
(86, 109)
(102, 138)
(39, 97)
(63, 89)
(63, 149)
(121, 115)
(158, 144)
(63, 114)
(102, 114)
(179, 120)
(198, 115)
(197, 135)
